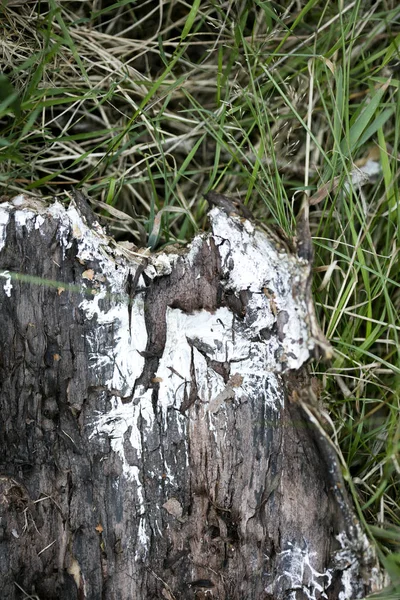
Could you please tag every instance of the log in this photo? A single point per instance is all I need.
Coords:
(160, 434)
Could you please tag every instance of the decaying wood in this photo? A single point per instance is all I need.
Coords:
(160, 442)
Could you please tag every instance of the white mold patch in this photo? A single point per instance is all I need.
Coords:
(120, 358)
(25, 218)
(4, 219)
(258, 348)
(7, 285)
(276, 280)
(123, 355)
(117, 423)
(299, 574)
(347, 559)
(193, 340)
(19, 201)
(91, 245)
(272, 337)
(161, 264)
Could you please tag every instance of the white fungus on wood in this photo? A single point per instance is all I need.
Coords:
(273, 337)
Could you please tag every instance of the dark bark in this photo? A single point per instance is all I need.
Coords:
(161, 441)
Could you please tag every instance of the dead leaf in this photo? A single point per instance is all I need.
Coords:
(236, 380)
(324, 191)
(88, 274)
(174, 508)
(118, 214)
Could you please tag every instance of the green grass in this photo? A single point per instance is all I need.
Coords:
(148, 109)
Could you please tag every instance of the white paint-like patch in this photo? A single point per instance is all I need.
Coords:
(27, 216)
(252, 347)
(8, 285)
(89, 243)
(120, 359)
(4, 218)
(347, 580)
(57, 211)
(348, 559)
(123, 425)
(170, 474)
(194, 340)
(194, 248)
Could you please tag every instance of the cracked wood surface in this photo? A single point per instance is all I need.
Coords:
(156, 446)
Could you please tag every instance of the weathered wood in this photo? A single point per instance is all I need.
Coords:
(155, 442)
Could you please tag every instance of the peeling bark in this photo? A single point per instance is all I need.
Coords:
(161, 442)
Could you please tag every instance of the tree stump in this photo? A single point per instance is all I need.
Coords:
(159, 432)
